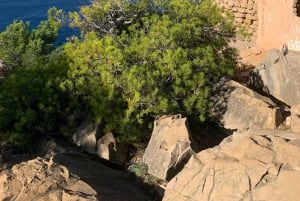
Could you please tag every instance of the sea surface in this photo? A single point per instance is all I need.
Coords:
(36, 11)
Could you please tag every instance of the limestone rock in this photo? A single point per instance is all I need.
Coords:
(241, 108)
(249, 165)
(169, 147)
(279, 76)
(85, 137)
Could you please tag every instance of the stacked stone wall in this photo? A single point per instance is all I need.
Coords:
(296, 7)
(244, 11)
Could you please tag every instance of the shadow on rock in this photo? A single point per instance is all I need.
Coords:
(110, 184)
(11, 155)
(211, 132)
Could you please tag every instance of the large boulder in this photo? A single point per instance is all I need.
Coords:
(250, 165)
(169, 147)
(278, 75)
(85, 137)
(242, 108)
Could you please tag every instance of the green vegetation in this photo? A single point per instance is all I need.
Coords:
(135, 60)
(21, 47)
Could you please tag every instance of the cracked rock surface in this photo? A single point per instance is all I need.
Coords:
(41, 179)
(247, 166)
(66, 177)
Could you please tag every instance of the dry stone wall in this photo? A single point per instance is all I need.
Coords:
(244, 11)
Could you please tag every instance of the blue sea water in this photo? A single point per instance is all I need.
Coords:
(36, 11)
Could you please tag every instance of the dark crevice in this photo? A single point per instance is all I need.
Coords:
(250, 188)
(256, 142)
(262, 178)
(279, 169)
(203, 185)
(266, 137)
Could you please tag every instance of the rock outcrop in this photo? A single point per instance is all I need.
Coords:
(278, 75)
(169, 147)
(250, 165)
(241, 108)
(40, 179)
(68, 176)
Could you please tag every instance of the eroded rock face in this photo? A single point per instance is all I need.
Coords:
(169, 147)
(241, 108)
(279, 76)
(250, 165)
(43, 180)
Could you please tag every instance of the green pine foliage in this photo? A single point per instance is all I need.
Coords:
(20, 46)
(163, 59)
(134, 61)
(32, 103)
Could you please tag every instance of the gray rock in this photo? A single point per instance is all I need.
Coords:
(250, 165)
(169, 147)
(106, 145)
(241, 108)
(85, 137)
(278, 75)
(109, 149)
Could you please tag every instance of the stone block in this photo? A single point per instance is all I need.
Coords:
(241, 108)
(242, 10)
(239, 20)
(239, 15)
(169, 147)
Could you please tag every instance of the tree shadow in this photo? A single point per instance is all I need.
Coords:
(111, 181)
(256, 83)
(11, 155)
(212, 131)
